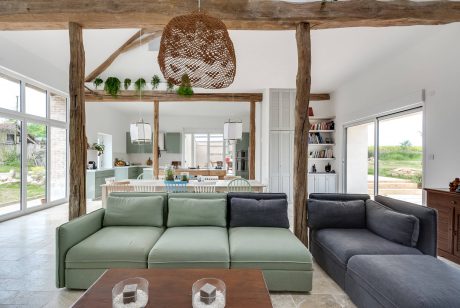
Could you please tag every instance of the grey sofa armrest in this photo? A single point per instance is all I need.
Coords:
(427, 239)
(72, 233)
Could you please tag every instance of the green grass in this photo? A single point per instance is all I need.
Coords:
(10, 192)
(392, 158)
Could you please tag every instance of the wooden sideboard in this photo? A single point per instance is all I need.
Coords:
(448, 206)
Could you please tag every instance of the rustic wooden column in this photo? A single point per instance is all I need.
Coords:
(156, 131)
(252, 141)
(77, 132)
(302, 127)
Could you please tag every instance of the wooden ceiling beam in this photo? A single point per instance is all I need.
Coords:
(163, 96)
(237, 14)
(138, 39)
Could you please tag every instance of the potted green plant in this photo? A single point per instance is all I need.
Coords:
(112, 86)
(99, 148)
(185, 86)
(127, 83)
(170, 85)
(169, 174)
(155, 82)
(97, 82)
(184, 178)
(139, 85)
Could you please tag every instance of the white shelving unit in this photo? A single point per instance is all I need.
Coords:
(281, 147)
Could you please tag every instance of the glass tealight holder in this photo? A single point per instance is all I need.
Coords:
(202, 298)
(131, 293)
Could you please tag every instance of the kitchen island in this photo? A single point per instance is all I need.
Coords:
(159, 186)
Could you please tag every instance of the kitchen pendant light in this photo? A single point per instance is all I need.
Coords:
(141, 132)
(233, 130)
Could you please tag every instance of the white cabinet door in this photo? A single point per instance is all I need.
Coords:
(285, 152)
(311, 184)
(331, 183)
(320, 183)
(274, 153)
(274, 184)
(285, 186)
(292, 104)
(285, 110)
(274, 110)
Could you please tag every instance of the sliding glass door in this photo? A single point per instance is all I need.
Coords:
(385, 156)
(33, 147)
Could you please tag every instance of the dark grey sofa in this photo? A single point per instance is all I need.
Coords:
(373, 270)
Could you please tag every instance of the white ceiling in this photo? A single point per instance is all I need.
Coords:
(264, 58)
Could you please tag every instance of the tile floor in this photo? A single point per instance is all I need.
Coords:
(27, 268)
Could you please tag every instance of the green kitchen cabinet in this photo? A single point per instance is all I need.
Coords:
(137, 148)
(173, 142)
(127, 173)
(94, 180)
(243, 144)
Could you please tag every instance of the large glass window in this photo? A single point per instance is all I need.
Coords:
(35, 101)
(10, 166)
(33, 146)
(204, 150)
(391, 165)
(58, 163)
(36, 164)
(11, 89)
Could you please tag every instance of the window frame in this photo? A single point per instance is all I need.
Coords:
(26, 118)
(194, 132)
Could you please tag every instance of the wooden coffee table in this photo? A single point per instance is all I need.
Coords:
(173, 287)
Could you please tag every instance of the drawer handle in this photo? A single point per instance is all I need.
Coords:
(453, 202)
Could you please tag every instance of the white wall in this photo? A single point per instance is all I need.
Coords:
(431, 64)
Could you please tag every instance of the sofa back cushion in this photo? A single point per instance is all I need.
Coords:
(197, 212)
(394, 226)
(428, 219)
(259, 213)
(324, 214)
(134, 211)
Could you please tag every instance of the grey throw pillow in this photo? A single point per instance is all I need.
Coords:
(134, 211)
(259, 213)
(324, 214)
(391, 225)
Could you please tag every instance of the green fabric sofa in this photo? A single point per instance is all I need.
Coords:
(159, 230)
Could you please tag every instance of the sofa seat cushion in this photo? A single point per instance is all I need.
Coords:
(114, 247)
(191, 247)
(403, 281)
(343, 244)
(267, 249)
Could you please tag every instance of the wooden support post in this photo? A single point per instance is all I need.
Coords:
(302, 128)
(252, 141)
(156, 131)
(77, 132)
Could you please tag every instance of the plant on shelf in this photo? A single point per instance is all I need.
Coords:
(169, 85)
(184, 178)
(97, 82)
(185, 86)
(112, 86)
(99, 148)
(139, 85)
(155, 82)
(169, 174)
(127, 83)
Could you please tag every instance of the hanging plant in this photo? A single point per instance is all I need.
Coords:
(99, 148)
(185, 86)
(155, 82)
(97, 82)
(170, 85)
(139, 85)
(112, 86)
(127, 83)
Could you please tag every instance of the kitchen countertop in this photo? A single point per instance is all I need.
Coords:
(118, 167)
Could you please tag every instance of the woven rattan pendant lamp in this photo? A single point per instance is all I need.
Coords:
(197, 45)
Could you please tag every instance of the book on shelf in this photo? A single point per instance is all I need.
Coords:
(324, 125)
(317, 138)
(326, 153)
